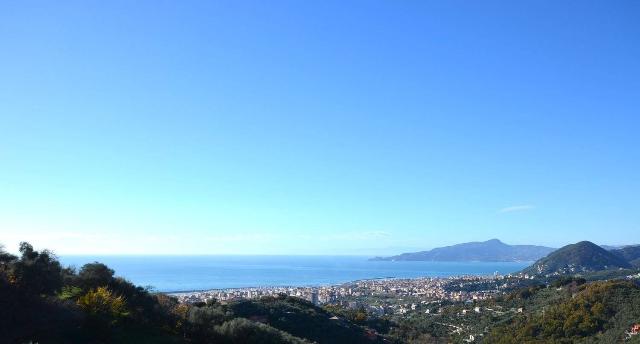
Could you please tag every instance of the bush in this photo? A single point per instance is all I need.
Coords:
(102, 302)
(243, 331)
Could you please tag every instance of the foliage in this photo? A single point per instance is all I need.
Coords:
(43, 302)
(94, 275)
(566, 280)
(103, 302)
(598, 310)
(524, 293)
(240, 331)
(301, 318)
(70, 292)
(630, 254)
(421, 330)
(360, 316)
(36, 272)
(40, 301)
(5, 258)
(584, 256)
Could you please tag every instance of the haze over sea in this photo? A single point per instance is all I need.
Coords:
(188, 273)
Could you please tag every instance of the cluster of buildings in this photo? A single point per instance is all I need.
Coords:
(225, 295)
(367, 293)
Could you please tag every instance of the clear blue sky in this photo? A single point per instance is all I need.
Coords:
(326, 127)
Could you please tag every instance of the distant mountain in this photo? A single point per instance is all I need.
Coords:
(487, 251)
(584, 256)
(617, 247)
(629, 253)
(611, 247)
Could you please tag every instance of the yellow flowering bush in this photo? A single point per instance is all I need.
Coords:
(102, 302)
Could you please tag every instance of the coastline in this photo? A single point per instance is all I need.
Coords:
(429, 287)
(289, 286)
(168, 274)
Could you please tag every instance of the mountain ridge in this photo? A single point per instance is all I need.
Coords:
(492, 250)
(630, 253)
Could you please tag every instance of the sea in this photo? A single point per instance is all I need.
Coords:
(193, 273)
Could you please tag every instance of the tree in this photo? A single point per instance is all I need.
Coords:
(95, 275)
(5, 259)
(37, 272)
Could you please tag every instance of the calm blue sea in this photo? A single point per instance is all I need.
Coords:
(186, 273)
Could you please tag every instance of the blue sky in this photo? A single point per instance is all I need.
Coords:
(327, 127)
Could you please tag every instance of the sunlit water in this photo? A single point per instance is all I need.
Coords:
(186, 273)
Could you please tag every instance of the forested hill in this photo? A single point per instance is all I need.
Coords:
(492, 250)
(598, 312)
(629, 253)
(581, 257)
(43, 302)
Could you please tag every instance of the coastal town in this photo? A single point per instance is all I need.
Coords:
(377, 296)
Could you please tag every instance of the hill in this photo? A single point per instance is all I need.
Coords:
(487, 251)
(300, 318)
(599, 312)
(629, 253)
(44, 302)
(584, 256)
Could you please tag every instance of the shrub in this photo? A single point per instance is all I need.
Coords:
(102, 302)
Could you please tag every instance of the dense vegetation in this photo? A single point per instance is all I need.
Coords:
(598, 312)
(630, 254)
(43, 302)
(584, 256)
(566, 310)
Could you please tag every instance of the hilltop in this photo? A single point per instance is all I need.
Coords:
(583, 256)
(492, 250)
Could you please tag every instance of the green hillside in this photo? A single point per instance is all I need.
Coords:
(629, 253)
(42, 302)
(300, 318)
(581, 257)
(599, 312)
